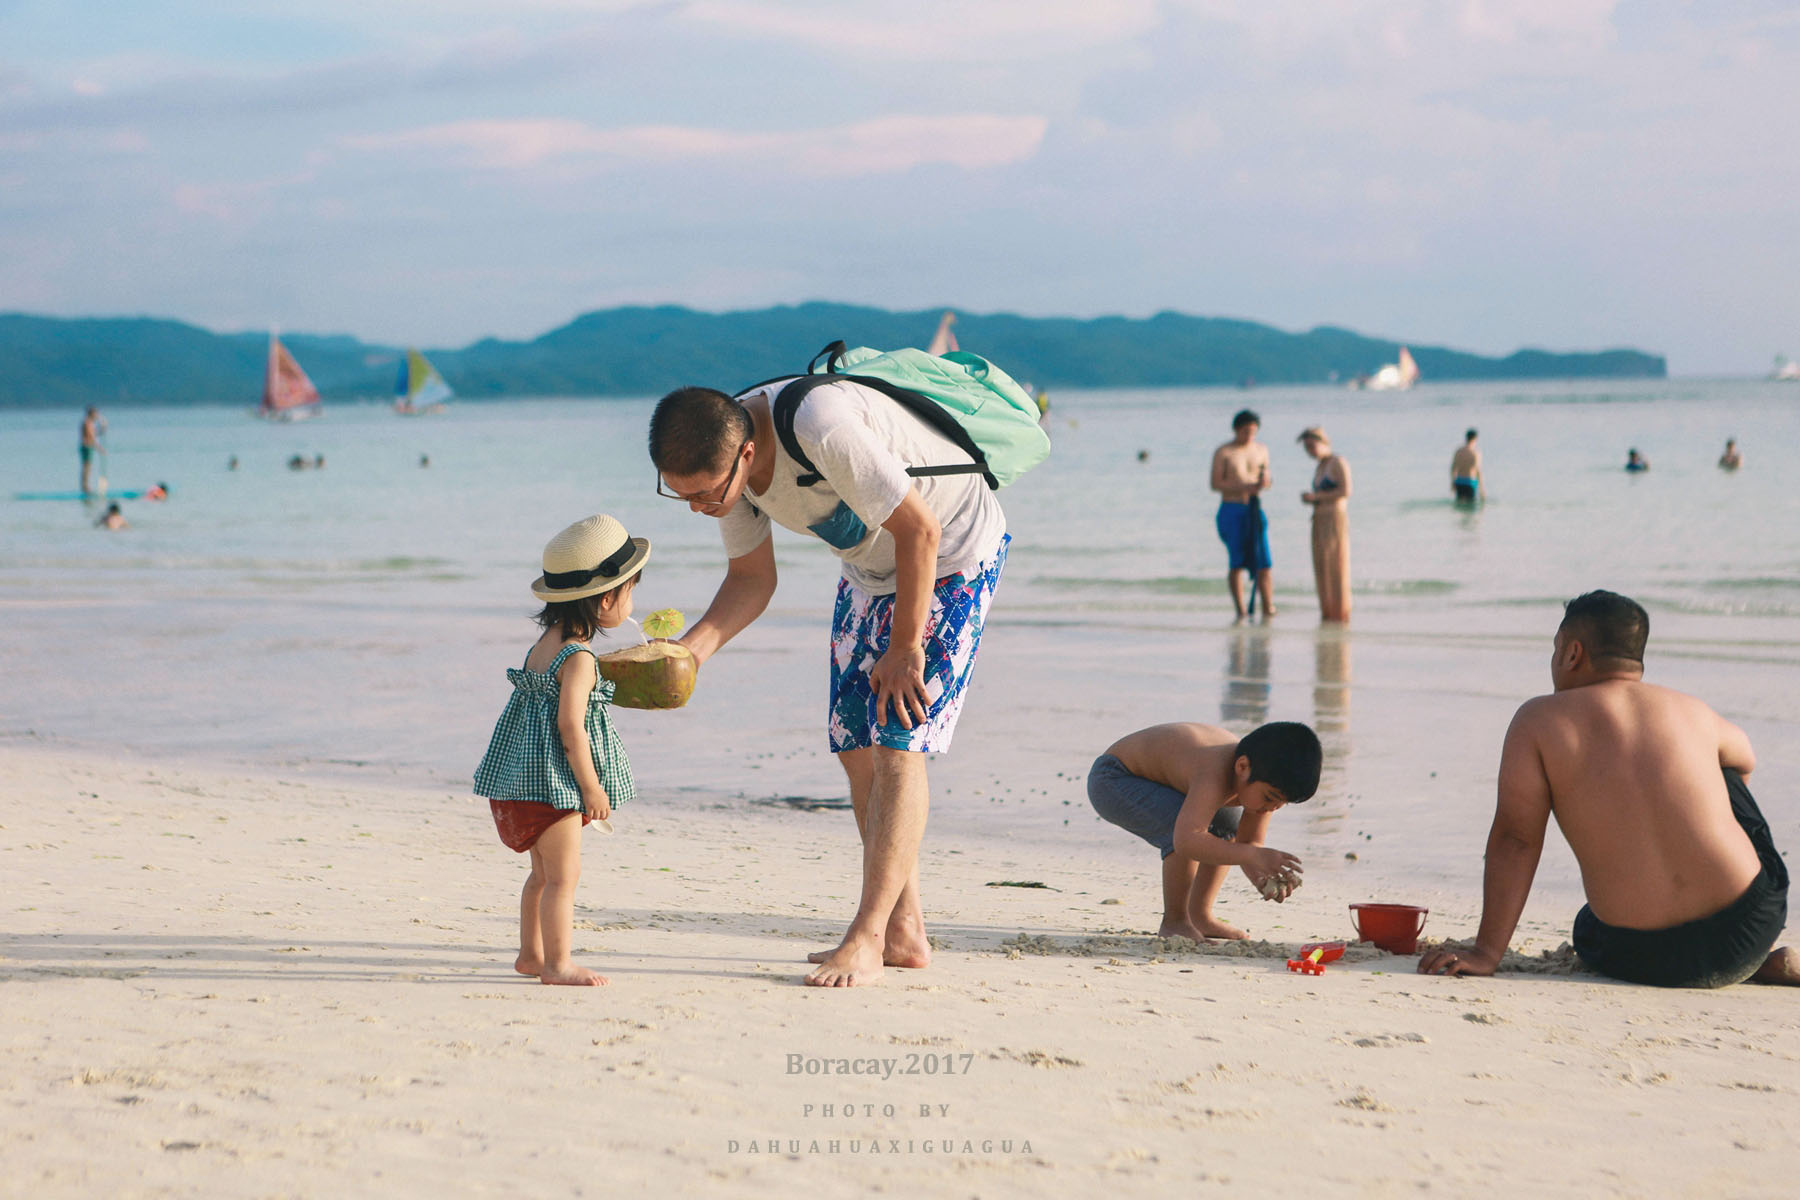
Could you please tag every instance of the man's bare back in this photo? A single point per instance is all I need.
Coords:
(1634, 776)
(1466, 462)
(1685, 887)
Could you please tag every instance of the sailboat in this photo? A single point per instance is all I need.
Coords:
(944, 340)
(420, 389)
(1396, 376)
(1786, 369)
(288, 395)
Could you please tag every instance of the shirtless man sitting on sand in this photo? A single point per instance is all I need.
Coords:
(1684, 885)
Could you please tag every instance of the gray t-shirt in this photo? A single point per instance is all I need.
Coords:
(862, 442)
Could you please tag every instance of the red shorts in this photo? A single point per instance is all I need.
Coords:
(522, 822)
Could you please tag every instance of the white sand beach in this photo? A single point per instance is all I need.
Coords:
(228, 983)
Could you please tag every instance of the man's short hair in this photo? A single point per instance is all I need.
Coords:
(1244, 417)
(694, 431)
(1287, 756)
(1469, 436)
(1611, 627)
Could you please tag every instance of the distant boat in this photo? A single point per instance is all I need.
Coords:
(1396, 376)
(288, 395)
(944, 340)
(1786, 369)
(420, 389)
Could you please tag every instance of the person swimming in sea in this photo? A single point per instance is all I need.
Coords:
(1465, 470)
(1635, 462)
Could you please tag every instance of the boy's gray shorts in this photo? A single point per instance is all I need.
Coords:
(1146, 808)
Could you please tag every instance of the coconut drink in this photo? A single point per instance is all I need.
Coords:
(655, 674)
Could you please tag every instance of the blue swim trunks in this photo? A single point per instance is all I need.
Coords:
(860, 627)
(1245, 532)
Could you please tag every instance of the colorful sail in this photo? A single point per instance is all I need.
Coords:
(1409, 370)
(420, 388)
(287, 392)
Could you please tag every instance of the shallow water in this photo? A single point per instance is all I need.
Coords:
(360, 617)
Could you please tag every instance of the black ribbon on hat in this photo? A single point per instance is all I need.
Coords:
(608, 569)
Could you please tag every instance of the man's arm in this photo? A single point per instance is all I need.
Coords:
(1735, 753)
(749, 583)
(1219, 482)
(899, 675)
(1515, 843)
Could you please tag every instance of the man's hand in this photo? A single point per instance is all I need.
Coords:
(1446, 961)
(899, 679)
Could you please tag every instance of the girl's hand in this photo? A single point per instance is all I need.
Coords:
(598, 809)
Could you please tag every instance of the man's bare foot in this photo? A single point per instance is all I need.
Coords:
(528, 966)
(1781, 967)
(902, 946)
(855, 963)
(574, 976)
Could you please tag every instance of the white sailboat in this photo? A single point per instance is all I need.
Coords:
(1394, 377)
(944, 340)
(1786, 369)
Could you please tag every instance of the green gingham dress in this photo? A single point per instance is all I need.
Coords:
(525, 758)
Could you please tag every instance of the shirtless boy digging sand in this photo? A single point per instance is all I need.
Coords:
(1204, 796)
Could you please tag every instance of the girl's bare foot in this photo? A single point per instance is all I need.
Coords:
(526, 965)
(574, 976)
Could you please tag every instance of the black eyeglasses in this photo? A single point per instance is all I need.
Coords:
(737, 460)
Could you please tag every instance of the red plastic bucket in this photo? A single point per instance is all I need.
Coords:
(1393, 927)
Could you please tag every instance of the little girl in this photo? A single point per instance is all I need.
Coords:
(555, 753)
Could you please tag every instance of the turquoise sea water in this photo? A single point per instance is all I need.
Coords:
(361, 616)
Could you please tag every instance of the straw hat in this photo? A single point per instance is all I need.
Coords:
(1316, 433)
(591, 556)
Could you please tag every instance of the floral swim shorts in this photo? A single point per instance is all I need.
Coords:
(860, 626)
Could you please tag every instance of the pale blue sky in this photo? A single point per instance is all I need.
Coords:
(1479, 173)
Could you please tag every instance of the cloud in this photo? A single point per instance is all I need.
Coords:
(963, 30)
(880, 146)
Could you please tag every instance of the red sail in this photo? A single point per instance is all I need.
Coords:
(285, 385)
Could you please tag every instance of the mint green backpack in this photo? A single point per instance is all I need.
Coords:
(963, 396)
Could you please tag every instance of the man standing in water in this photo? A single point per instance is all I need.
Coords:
(1240, 474)
(1684, 885)
(93, 425)
(1465, 470)
(921, 558)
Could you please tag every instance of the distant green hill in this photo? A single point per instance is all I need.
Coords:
(48, 361)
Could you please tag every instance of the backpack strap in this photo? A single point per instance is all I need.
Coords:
(787, 405)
